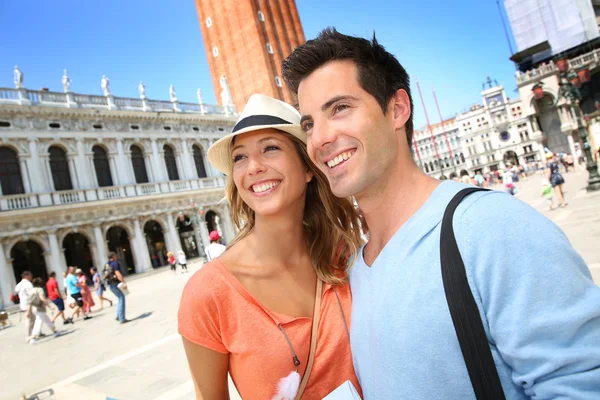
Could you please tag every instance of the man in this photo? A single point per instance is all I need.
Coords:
(23, 290)
(75, 290)
(214, 249)
(56, 298)
(539, 306)
(113, 278)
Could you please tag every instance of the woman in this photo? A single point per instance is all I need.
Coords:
(249, 312)
(99, 287)
(554, 176)
(172, 262)
(86, 294)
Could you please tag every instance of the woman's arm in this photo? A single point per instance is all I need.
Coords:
(96, 283)
(209, 371)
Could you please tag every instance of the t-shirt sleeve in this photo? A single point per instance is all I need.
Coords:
(202, 310)
(539, 304)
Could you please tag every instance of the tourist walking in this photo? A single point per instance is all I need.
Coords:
(215, 248)
(555, 177)
(113, 278)
(172, 262)
(277, 300)
(99, 287)
(86, 294)
(56, 298)
(23, 290)
(74, 288)
(182, 261)
(37, 307)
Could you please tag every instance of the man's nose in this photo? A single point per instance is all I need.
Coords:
(322, 135)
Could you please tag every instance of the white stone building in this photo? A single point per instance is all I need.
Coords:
(82, 175)
(498, 131)
(442, 153)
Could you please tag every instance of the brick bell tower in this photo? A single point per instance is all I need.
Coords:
(246, 41)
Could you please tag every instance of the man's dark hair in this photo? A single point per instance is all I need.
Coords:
(111, 255)
(379, 72)
(25, 274)
(52, 274)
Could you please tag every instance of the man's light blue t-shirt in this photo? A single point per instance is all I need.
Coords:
(539, 305)
(71, 284)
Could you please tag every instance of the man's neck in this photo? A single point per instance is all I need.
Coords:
(390, 203)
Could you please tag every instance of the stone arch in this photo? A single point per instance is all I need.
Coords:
(213, 220)
(69, 149)
(187, 236)
(120, 241)
(28, 255)
(77, 249)
(11, 178)
(156, 240)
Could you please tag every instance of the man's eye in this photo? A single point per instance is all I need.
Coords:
(340, 107)
(307, 126)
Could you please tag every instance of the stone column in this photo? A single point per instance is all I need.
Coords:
(188, 165)
(73, 171)
(116, 176)
(143, 256)
(175, 241)
(38, 185)
(152, 172)
(125, 169)
(25, 174)
(57, 258)
(228, 227)
(161, 168)
(204, 234)
(211, 171)
(181, 168)
(83, 172)
(7, 279)
(100, 246)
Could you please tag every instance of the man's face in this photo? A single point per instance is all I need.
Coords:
(349, 137)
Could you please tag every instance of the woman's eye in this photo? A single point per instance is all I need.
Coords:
(271, 148)
(237, 158)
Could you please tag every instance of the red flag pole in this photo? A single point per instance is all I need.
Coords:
(428, 124)
(442, 121)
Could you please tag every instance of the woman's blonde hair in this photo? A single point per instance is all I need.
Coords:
(331, 224)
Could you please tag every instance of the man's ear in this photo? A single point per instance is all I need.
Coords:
(400, 108)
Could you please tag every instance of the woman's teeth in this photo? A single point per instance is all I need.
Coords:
(264, 186)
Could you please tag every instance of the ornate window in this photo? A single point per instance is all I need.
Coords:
(171, 163)
(139, 165)
(59, 166)
(10, 172)
(199, 162)
(102, 167)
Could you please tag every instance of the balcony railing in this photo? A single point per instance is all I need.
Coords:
(74, 100)
(32, 200)
(549, 69)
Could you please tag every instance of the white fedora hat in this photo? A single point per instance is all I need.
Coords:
(261, 112)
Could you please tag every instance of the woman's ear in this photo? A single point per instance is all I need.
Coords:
(309, 175)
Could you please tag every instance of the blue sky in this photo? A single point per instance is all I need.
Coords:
(450, 45)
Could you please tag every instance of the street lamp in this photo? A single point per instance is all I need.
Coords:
(570, 82)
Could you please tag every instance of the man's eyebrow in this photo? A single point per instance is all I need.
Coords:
(335, 99)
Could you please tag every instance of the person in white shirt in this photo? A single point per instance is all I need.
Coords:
(24, 289)
(214, 249)
(182, 261)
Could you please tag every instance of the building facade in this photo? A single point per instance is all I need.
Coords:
(82, 175)
(441, 153)
(245, 42)
(497, 132)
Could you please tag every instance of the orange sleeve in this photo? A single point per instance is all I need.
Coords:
(199, 317)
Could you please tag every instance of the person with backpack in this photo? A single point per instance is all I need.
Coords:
(36, 306)
(113, 277)
(460, 293)
(21, 296)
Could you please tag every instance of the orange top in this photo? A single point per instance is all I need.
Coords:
(217, 312)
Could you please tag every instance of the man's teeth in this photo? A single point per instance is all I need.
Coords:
(264, 186)
(342, 157)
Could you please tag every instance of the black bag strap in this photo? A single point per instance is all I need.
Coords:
(463, 309)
